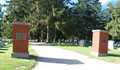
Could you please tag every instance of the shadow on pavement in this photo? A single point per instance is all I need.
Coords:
(59, 61)
(56, 60)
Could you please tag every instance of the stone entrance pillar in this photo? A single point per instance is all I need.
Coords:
(100, 42)
(20, 40)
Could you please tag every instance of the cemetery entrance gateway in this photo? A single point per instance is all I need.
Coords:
(20, 40)
(100, 42)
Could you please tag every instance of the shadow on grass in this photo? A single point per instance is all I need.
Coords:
(33, 57)
(117, 46)
(3, 49)
(56, 60)
(7, 46)
(114, 55)
(2, 52)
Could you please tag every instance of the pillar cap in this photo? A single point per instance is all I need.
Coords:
(23, 23)
(100, 31)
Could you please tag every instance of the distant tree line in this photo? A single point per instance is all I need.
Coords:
(54, 19)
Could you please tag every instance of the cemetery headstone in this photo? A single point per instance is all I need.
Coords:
(118, 48)
(20, 40)
(65, 40)
(81, 43)
(1, 44)
(90, 46)
(85, 41)
(70, 41)
(100, 43)
(111, 44)
(117, 43)
(7, 42)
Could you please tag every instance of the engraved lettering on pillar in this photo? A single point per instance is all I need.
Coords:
(20, 36)
(103, 40)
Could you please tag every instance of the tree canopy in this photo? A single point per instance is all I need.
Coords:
(56, 19)
(114, 25)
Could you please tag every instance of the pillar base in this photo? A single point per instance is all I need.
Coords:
(20, 55)
(99, 54)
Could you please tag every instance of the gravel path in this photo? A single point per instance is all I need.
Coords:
(53, 58)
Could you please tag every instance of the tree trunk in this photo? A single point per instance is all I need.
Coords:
(42, 35)
(48, 33)
(86, 35)
(38, 36)
(59, 41)
(38, 39)
(33, 37)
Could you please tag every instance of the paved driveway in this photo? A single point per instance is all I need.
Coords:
(53, 58)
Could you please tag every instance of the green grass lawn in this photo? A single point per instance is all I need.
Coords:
(8, 63)
(114, 55)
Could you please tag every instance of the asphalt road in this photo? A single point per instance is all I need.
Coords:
(53, 58)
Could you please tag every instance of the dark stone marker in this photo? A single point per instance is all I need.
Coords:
(20, 36)
(103, 40)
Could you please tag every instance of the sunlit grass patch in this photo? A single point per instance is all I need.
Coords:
(8, 63)
(114, 55)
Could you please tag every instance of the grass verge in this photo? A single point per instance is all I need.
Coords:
(114, 55)
(8, 63)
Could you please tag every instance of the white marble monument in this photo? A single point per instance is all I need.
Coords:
(111, 44)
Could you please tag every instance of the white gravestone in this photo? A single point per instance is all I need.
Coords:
(111, 44)
(118, 48)
(90, 46)
(3, 41)
(81, 43)
(7, 42)
(1, 44)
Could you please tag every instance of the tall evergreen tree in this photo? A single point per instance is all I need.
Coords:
(114, 25)
(86, 16)
(1, 18)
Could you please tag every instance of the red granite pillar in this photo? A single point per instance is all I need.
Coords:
(100, 42)
(20, 40)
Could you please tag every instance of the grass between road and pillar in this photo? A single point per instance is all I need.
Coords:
(8, 63)
(114, 55)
